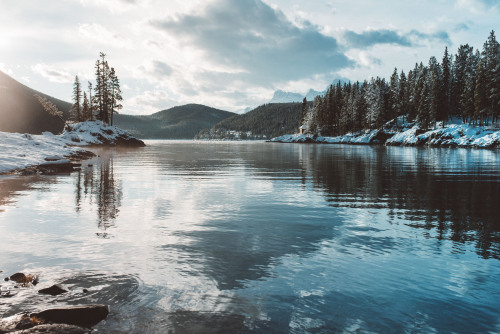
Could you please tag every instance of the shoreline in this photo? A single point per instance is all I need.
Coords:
(28, 154)
(450, 136)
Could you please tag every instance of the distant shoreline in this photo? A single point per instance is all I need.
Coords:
(454, 135)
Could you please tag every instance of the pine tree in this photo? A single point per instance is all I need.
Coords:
(481, 105)
(394, 101)
(91, 103)
(375, 104)
(98, 96)
(304, 111)
(446, 87)
(85, 107)
(436, 95)
(49, 107)
(491, 51)
(403, 96)
(463, 75)
(77, 96)
(115, 95)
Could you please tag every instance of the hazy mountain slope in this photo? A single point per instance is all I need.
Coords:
(21, 112)
(270, 120)
(182, 122)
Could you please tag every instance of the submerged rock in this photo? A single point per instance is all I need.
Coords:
(54, 329)
(84, 315)
(24, 279)
(54, 290)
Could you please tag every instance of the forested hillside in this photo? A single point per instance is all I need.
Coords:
(182, 122)
(21, 111)
(266, 121)
(463, 86)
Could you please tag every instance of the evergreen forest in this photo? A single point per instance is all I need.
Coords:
(463, 87)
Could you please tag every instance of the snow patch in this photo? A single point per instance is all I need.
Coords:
(18, 151)
(400, 133)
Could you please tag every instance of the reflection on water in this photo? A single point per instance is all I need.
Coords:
(259, 237)
(96, 184)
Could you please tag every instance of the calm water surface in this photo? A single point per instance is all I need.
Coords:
(252, 237)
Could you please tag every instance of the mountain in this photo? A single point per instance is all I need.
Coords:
(21, 112)
(266, 121)
(286, 97)
(182, 122)
(281, 96)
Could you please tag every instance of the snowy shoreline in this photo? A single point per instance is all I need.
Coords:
(20, 151)
(453, 135)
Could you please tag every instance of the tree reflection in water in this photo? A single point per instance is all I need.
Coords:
(438, 191)
(97, 185)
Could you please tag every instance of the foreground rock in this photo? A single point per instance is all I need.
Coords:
(97, 133)
(54, 290)
(83, 316)
(71, 319)
(54, 329)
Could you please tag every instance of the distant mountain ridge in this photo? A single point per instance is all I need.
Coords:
(290, 97)
(266, 121)
(21, 112)
(181, 122)
(281, 96)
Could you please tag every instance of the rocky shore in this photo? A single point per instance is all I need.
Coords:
(453, 135)
(46, 153)
(65, 319)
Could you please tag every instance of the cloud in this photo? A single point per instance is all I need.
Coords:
(478, 6)
(6, 70)
(53, 74)
(462, 27)
(156, 70)
(102, 35)
(114, 6)
(370, 38)
(257, 42)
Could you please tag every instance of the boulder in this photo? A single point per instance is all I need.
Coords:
(54, 329)
(24, 279)
(84, 315)
(18, 277)
(54, 290)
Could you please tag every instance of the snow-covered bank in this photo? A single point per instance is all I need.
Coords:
(18, 151)
(453, 135)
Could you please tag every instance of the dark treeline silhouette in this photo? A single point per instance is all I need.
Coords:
(464, 86)
(99, 187)
(107, 95)
(101, 106)
(266, 121)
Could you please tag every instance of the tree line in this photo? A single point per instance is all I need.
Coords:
(464, 86)
(101, 105)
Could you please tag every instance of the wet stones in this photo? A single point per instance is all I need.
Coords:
(68, 320)
(23, 279)
(54, 290)
(54, 329)
(83, 315)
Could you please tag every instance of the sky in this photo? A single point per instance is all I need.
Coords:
(229, 54)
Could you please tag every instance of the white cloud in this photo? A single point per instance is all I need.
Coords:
(6, 69)
(479, 6)
(230, 54)
(101, 34)
(52, 73)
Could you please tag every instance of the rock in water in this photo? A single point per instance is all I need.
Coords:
(21, 278)
(18, 278)
(84, 315)
(54, 329)
(54, 290)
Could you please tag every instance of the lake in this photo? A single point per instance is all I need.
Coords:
(254, 237)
